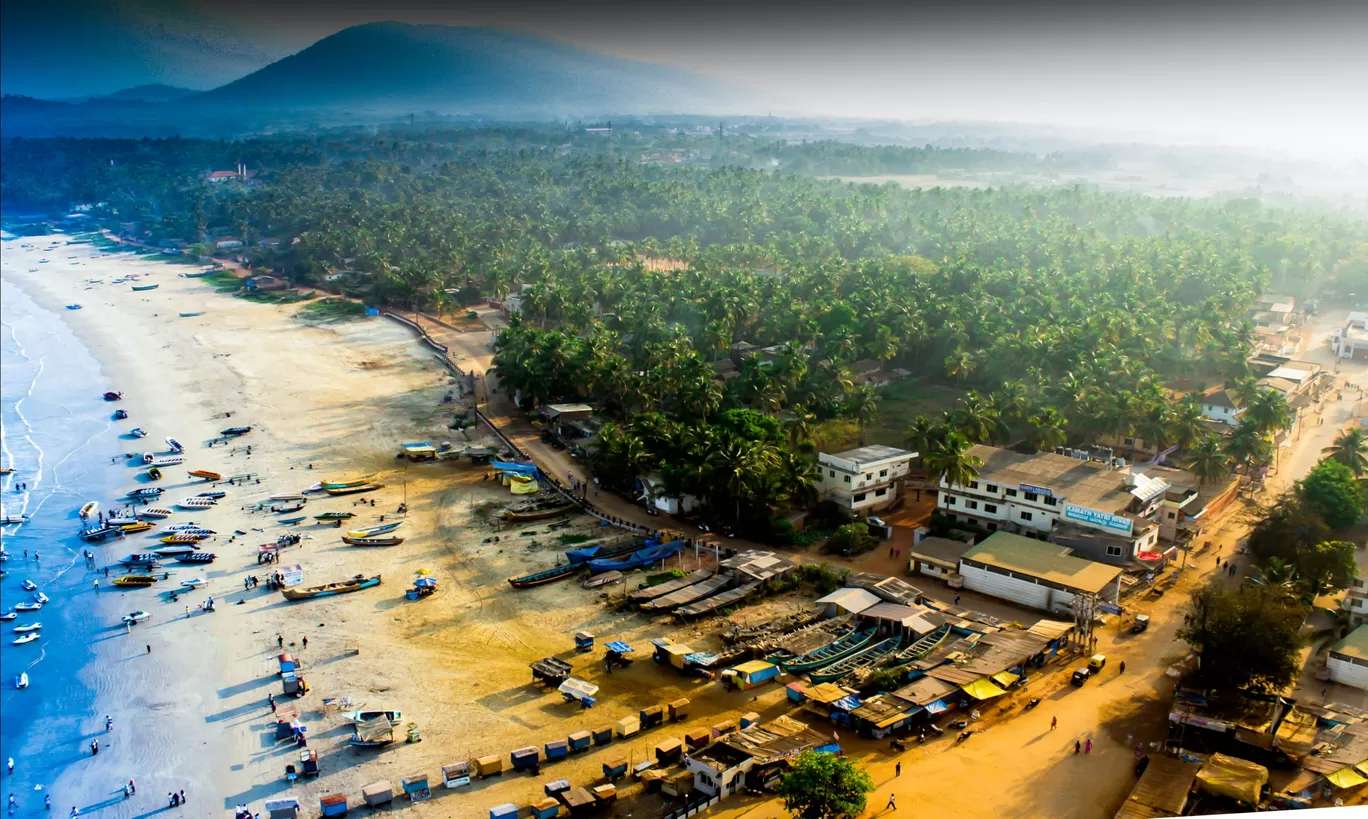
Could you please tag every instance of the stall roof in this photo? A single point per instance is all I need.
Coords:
(826, 693)
(852, 600)
(759, 565)
(982, 689)
(951, 674)
(883, 710)
(753, 666)
(1164, 787)
(942, 551)
(1045, 561)
(925, 690)
(886, 588)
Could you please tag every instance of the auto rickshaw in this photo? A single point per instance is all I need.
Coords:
(1141, 623)
(1081, 676)
(1096, 663)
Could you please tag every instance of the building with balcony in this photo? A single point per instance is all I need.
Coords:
(864, 480)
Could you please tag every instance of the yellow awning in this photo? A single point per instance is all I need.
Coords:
(1362, 767)
(1345, 777)
(1005, 678)
(982, 689)
(523, 488)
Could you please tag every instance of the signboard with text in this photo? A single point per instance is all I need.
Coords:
(1038, 490)
(1098, 520)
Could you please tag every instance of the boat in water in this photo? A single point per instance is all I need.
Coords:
(41, 599)
(372, 541)
(27, 638)
(551, 575)
(8, 519)
(90, 509)
(113, 396)
(22, 681)
(26, 629)
(28, 585)
(356, 583)
(372, 531)
(27, 606)
(100, 533)
(9, 615)
(206, 474)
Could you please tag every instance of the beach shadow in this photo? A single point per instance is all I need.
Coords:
(242, 688)
(106, 803)
(234, 713)
(510, 697)
(263, 791)
(153, 812)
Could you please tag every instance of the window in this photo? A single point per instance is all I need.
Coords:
(869, 476)
(1030, 496)
(859, 497)
(847, 479)
(1050, 501)
(992, 527)
(992, 488)
(883, 473)
(1113, 551)
(1130, 442)
(989, 508)
(879, 493)
(1011, 493)
(1025, 515)
(973, 484)
(970, 504)
(832, 472)
(1171, 516)
(950, 500)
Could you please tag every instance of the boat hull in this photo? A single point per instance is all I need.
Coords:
(527, 581)
(332, 589)
(372, 541)
(352, 490)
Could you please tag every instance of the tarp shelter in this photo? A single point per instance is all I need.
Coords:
(1162, 790)
(674, 654)
(1005, 678)
(982, 689)
(520, 485)
(517, 469)
(1346, 777)
(1232, 777)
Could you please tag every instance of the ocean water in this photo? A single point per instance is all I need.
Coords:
(59, 437)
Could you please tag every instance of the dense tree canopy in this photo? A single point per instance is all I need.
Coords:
(824, 786)
(1248, 638)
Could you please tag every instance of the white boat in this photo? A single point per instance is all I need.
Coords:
(8, 519)
(168, 460)
(196, 503)
(41, 599)
(191, 528)
(27, 606)
(21, 681)
(28, 585)
(175, 445)
(138, 432)
(193, 583)
(216, 494)
(121, 521)
(26, 629)
(90, 509)
(155, 512)
(136, 617)
(9, 615)
(175, 549)
(366, 715)
(27, 638)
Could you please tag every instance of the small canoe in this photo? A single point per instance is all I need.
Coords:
(141, 288)
(288, 496)
(352, 490)
(372, 531)
(206, 474)
(135, 581)
(561, 572)
(285, 510)
(192, 314)
(372, 541)
(356, 583)
(349, 482)
(605, 579)
(292, 521)
(90, 509)
(215, 494)
(335, 516)
(540, 514)
(156, 512)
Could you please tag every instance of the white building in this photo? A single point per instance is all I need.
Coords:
(1347, 661)
(1032, 494)
(1350, 342)
(1219, 405)
(866, 479)
(1356, 599)
(1035, 574)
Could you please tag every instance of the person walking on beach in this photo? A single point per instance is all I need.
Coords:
(11, 803)
(132, 788)
(149, 649)
(892, 802)
(1087, 746)
(306, 642)
(109, 724)
(126, 793)
(1054, 723)
(897, 769)
(280, 641)
(75, 811)
(182, 796)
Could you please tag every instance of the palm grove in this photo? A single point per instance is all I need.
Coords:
(1065, 313)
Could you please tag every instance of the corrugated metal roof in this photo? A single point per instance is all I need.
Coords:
(1355, 645)
(1046, 561)
(852, 600)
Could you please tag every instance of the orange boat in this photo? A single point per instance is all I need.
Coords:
(206, 474)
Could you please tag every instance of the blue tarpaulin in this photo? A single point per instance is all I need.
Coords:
(591, 552)
(636, 560)
(618, 646)
(521, 469)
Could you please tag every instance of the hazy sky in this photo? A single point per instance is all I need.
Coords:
(1243, 72)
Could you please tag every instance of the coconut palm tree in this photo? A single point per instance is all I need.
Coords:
(1047, 430)
(976, 419)
(863, 403)
(1208, 461)
(1351, 449)
(923, 434)
(950, 460)
(1186, 425)
(1269, 411)
(1248, 446)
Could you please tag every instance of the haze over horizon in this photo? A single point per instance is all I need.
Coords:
(1253, 74)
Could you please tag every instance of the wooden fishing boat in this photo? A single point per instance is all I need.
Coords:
(372, 531)
(235, 431)
(356, 583)
(142, 288)
(348, 483)
(335, 516)
(839, 649)
(206, 474)
(561, 572)
(854, 662)
(352, 490)
(135, 581)
(192, 314)
(539, 514)
(90, 509)
(605, 579)
(156, 512)
(923, 647)
(292, 521)
(140, 526)
(372, 541)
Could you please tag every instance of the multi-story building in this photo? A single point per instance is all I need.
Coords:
(864, 480)
(1356, 599)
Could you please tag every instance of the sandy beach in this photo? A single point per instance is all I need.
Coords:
(340, 397)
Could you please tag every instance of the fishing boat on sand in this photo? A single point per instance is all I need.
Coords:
(206, 474)
(119, 415)
(605, 579)
(356, 583)
(864, 658)
(176, 446)
(292, 521)
(113, 396)
(131, 528)
(138, 432)
(168, 460)
(196, 503)
(139, 559)
(192, 314)
(352, 490)
(349, 482)
(183, 538)
(142, 288)
(372, 531)
(335, 516)
(100, 533)
(90, 509)
(172, 551)
(551, 575)
(539, 514)
(196, 557)
(192, 583)
(235, 431)
(849, 643)
(146, 492)
(135, 581)
(372, 541)
(156, 512)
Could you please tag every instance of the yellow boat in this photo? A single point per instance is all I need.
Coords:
(136, 581)
(187, 538)
(140, 526)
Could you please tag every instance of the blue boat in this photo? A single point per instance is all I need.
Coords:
(636, 560)
(853, 662)
(547, 576)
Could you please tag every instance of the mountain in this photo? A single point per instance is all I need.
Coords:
(397, 67)
(156, 92)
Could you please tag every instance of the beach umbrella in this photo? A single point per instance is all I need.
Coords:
(425, 583)
(424, 571)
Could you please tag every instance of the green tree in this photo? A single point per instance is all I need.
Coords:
(1351, 449)
(1328, 566)
(950, 459)
(1247, 637)
(1332, 491)
(1286, 529)
(863, 403)
(1047, 430)
(1208, 461)
(1269, 411)
(825, 786)
(851, 539)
